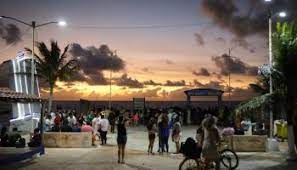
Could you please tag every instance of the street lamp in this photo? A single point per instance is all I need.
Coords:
(229, 75)
(34, 26)
(113, 54)
(271, 15)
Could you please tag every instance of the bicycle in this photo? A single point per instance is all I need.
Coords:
(228, 158)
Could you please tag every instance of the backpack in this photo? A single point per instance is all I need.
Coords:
(189, 148)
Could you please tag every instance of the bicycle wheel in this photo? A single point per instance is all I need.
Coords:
(189, 164)
(229, 159)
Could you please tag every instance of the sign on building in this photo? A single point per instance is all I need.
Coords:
(139, 104)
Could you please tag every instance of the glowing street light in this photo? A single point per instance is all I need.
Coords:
(282, 14)
(62, 23)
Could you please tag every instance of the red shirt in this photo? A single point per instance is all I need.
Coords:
(135, 118)
(57, 120)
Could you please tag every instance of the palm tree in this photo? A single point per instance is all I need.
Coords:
(52, 65)
(284, 74)
(285, 55)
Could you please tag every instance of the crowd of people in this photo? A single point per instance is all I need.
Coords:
(70, 121)
(161, 124)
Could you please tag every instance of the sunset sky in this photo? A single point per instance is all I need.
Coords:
(165, 46)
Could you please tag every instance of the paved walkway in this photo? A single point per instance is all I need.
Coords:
(105, 157)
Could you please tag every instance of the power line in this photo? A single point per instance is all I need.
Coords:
(136, 27)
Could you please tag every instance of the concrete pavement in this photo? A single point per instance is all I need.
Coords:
(105, 157)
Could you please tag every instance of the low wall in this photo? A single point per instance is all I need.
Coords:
(248, 143)
(68, 139)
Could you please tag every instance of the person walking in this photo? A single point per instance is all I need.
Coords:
(111, 119)
(152, 130)
(210, 140)
(95, 125)
(103, 126)
(122, 138)
(176, 134)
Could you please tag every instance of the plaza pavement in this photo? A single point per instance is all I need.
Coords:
(105, 157)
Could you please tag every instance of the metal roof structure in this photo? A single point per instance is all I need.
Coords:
(8, 95)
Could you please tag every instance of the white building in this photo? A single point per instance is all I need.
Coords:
(25, 115)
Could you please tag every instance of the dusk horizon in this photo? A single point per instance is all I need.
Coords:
(162, 48)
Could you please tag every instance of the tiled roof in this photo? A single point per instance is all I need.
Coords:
(7, 94)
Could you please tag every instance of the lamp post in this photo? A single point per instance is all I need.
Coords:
(271, 15)
(110, 81)
(229, 76)
(34, 26)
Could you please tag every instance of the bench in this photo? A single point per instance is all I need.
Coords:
(247, 143)
(68, 139)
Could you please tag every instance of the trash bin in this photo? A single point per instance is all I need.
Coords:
(282, 130)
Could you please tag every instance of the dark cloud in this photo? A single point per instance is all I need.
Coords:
(201, 72)
(124, 80)
(245, 18)
(219, 76)
(228, 64)
(237, 93)
(93, 61)
(169, 62)
(240, 42)
(199, 39)
(242, 93)
(151, 82)
(10, 33)
(211, 84)
(175, 83)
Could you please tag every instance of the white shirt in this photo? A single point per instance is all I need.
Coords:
(71, 121)
(48, 124)
(95, 123)
(104, 124)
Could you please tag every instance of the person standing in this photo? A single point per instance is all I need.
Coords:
(95, 125)
(152, 130)
(48, 123)
(90, 117)
(176, 134)
(88, 128)
(160, 133)
(210, 140)
(4, 139)
(111, 119)
(71, 120)
(103, 126)
(122, 138)
(165, 131)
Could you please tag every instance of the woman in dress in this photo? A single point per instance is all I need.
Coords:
(210, 140)
(122, 138)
